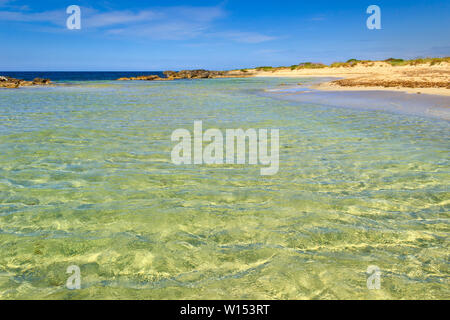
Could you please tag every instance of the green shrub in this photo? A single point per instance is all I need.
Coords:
(396, 62)
(354, 62)
(431, 61)
(415, 62)
(264, 68)
(310, 65)
(340, 64)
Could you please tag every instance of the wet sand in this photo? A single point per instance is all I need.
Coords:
(437, 106)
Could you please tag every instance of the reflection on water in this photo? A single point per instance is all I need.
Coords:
(86, 179)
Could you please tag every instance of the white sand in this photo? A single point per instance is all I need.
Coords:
(372, 72)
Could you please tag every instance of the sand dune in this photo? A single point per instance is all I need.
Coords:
(421, 78)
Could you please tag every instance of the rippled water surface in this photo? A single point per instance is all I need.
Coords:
(86, 179)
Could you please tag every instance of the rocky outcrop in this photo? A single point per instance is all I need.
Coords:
(188, 74)
(195, 74)
(8, 82)
(143, 78)
(40, 81)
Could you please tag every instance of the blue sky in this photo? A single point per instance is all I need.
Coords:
(160, 35)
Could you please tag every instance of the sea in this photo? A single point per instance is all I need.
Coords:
(86, 180)
(67, 76)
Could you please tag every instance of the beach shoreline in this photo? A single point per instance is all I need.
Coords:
(422, 76)
(397, 102)
(429, 76)
(375, 76)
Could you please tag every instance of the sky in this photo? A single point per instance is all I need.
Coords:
(151, 35)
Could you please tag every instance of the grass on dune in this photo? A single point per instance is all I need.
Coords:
(415, 62)
(354, 62)
(310, 65)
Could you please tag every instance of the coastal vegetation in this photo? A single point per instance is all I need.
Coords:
(431, 61)
(264, 68)
(310, 65)
(355, 62)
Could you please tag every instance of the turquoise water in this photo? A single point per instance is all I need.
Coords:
(86, 179)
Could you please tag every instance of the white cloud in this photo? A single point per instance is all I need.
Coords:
(90, 18)
(165, 23)
(96, 20)
(173, 23)
(244, 37)
(57, 17)
(162, 31)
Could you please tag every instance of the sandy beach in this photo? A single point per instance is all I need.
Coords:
(423, 78)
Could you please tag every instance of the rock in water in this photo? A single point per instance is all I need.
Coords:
(188, 74)
(40, 81)
(143, 78)
(195, 74)
(7, 82)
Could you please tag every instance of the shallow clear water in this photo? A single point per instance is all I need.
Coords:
(86, 179)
